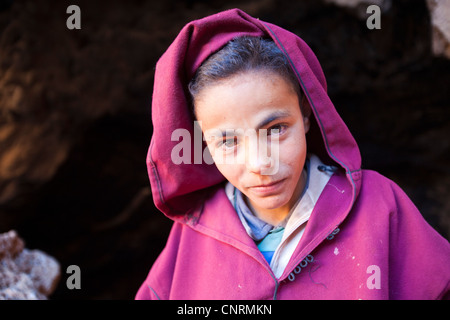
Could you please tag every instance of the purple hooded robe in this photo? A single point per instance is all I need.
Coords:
(365, 239)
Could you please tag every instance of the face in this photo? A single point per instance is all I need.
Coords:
(265, 104)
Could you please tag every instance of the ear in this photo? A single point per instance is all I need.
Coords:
(306, 113)
(306, 124)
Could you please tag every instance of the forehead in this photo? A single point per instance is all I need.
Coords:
(246, 100)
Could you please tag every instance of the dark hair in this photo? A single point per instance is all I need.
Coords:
(240, 55)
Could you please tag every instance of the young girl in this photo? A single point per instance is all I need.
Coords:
(285, 211)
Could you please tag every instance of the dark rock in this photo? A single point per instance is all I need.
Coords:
(25, 274)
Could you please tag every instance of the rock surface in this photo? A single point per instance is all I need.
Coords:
(439, 11)
(25, 274)
(440, 20)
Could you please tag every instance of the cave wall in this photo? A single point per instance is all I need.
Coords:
(75, 119)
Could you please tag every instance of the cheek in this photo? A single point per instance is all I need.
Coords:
(293, 154)
(230, 172)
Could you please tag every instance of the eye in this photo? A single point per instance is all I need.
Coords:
(228, 143)
(277, 129)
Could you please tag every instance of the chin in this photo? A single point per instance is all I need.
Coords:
(269, 204)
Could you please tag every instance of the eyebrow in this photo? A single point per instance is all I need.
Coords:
(270, 118)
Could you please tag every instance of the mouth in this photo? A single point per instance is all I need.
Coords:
(268, 188)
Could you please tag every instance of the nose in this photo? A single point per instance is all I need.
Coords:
(257, 163)
(257, 159)
(262, 156)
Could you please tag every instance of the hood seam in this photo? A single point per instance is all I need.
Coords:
(158, 183)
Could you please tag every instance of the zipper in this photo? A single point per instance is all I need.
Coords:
(309, 258)
(302, 264)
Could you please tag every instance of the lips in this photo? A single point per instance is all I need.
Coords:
(269, 188)
(267, 184)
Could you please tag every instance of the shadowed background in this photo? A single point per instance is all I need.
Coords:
(75, 118)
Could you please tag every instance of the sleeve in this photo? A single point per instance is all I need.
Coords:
(419, 256)
(159, 280)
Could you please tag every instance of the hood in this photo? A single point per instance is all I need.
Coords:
(180, 188)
